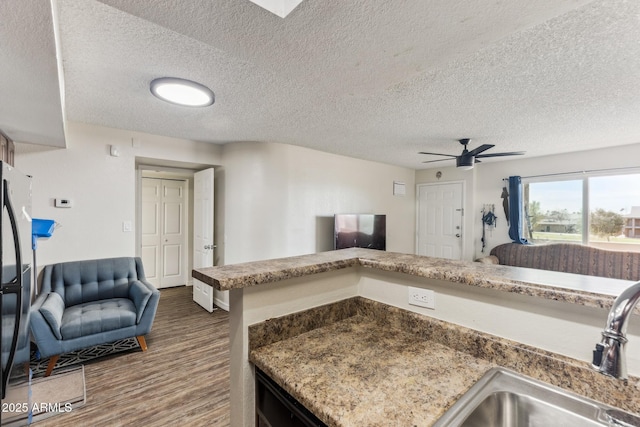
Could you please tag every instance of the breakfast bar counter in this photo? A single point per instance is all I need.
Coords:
(574, 288)
(541, 311)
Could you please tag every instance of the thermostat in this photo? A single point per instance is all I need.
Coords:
(63, 203)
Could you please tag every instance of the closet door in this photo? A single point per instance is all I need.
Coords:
(164, 234)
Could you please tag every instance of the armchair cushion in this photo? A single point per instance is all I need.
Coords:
(52, 310)
(140, 294)
(97, 316)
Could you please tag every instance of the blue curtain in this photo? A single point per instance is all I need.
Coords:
(515, 210)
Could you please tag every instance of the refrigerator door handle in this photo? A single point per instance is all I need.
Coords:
(15, 286)
(26, 215)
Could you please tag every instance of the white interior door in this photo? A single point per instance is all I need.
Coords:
(164, 235)
(174, 234)
(203, 234)
(440, 220)
(151, 226)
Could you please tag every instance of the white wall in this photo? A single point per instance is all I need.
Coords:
(560, 327)
(102, 187)
(272, 200)
(276, 200)
(486, 181)
(280, 200)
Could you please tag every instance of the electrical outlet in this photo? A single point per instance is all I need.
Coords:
(422, 297)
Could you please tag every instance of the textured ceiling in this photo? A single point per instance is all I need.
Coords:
(371, 79)
(30, 102)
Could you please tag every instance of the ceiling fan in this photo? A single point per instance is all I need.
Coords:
(468, 158)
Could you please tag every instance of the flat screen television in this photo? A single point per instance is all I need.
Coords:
(360, 231)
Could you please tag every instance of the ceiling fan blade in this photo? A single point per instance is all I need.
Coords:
(439, 160)
(513, 153)
(480, 149)
(437, 154)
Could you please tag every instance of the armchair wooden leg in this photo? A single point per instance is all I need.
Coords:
(51, 365)
(142, 342)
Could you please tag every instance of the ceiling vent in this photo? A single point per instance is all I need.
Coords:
(278, 7)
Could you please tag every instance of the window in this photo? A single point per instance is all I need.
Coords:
(555, 211)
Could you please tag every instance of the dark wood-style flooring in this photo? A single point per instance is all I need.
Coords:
(181, 380)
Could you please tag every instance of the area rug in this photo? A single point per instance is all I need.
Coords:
(39, 366)
(60, 393)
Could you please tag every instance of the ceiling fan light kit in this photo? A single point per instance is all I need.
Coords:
(467, 158)
(465, 162)
(182, 92)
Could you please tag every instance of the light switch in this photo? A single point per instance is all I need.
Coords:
(127, 226)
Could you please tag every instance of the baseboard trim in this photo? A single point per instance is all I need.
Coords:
(220, 304)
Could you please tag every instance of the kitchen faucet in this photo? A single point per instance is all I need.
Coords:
(609, 356)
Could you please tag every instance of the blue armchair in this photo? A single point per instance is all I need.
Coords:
(91, 302)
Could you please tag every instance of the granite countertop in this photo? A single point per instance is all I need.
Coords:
(354, 374)
(359, 362)
(578, 289)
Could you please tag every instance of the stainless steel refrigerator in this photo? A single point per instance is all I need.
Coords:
(15, 290)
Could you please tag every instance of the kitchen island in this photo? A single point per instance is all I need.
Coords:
(546, 311)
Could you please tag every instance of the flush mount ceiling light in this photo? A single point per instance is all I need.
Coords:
(182, 92)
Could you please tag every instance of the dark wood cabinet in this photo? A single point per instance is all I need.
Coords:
(277, 408)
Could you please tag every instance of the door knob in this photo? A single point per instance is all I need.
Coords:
(457, 235)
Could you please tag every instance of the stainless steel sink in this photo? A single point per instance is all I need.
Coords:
(503, 398)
